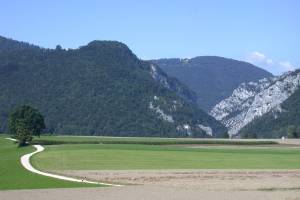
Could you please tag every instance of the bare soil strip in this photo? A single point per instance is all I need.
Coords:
(147, 192)
(233, 180)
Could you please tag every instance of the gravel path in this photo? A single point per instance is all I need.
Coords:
(25, 161)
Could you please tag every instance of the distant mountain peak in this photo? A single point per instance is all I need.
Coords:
(212, 78)
(106, 43)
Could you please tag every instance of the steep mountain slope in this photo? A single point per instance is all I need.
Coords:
(172, 84)
(277, 122)
(252, 100)
(98, 89)
(212, 78)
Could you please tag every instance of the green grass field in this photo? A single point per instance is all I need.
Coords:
(127, 157)
(14, 176)
(107, 153)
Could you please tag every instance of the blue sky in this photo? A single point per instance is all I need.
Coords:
(264, 32)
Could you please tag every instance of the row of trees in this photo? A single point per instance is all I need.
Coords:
(289, 131)
(26, 122)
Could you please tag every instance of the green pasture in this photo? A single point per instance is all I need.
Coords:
(130, 157)
(14, 176)
(113, 153)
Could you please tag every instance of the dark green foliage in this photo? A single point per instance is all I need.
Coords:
(99, 89)
(226, 135)
(11, 45)
(174, 85)
(293, 131)
(25, 122)
(212, 78)
(277, 124)
(58, 47)
(52, 140)
(22, 133)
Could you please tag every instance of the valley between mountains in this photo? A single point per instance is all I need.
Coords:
(103, 88)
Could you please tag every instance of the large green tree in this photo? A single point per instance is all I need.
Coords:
(25, 122)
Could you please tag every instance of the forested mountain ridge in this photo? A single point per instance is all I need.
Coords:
(98, 89)
(11, 45)
(212, 78)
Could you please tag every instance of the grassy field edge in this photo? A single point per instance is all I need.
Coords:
(13, 176)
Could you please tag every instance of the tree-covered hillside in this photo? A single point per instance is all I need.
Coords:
(10, 45)
(212, 78)
(97, 89)
(277, 123)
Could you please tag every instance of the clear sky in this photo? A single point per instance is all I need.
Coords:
(264, 32)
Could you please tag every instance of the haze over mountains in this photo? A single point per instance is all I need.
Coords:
(98, 89)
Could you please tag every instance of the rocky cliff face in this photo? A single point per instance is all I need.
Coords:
(212, 78)
(253, 99)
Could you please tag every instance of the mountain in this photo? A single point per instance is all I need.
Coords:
(212, 78)
(277, 122)
(172, 84)
(98, 89)
(10, 44)
(254, 99)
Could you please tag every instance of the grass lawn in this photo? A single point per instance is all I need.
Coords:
(14, 176)
(126, 157)
(131, 153)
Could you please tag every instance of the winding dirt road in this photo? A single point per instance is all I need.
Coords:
(25, 161)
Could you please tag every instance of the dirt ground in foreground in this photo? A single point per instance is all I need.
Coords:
(176, 185)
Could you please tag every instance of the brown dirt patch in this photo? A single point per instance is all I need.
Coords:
(176, 185)
(198, 179)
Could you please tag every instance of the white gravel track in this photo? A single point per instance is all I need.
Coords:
(25, 161)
